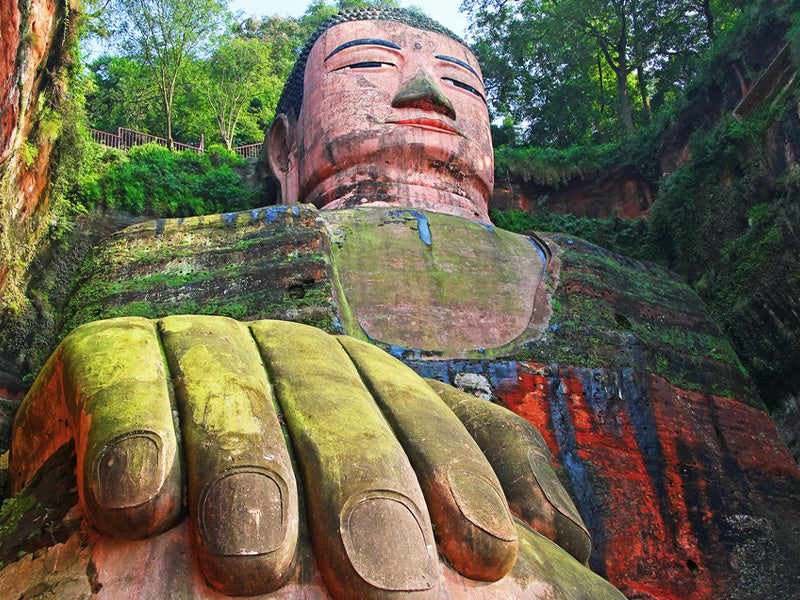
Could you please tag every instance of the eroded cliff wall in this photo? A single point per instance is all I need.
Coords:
(34, 54)
(725, 195)
(37, 59)
(726, 217)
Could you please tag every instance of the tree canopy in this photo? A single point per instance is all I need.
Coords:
(558, 72)
(163, 35)
(580, 71)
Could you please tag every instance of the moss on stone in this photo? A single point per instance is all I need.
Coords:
(14, 509)
(430, 270)
(265, 263)
(613, 312)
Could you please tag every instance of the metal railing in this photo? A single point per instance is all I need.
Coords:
(112, 140)
(248, 150)
(125, 139)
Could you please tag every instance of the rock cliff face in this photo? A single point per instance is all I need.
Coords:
(725, 212)
(675, 467)
(625, 194)
(34, 35)
(679, 474)
(677, 489)
(738, 245)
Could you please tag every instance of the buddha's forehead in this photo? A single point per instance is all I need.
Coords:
(407, 38)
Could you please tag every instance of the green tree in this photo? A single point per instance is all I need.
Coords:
(163, 35)
(235, 75)
(544, 73)
(123, 94)
(559, 65)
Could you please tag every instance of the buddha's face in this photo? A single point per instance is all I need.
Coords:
(391, 115)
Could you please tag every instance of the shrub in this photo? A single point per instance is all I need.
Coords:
(627, 237)
(151, 180)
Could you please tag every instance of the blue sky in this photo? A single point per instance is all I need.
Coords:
(444, 11)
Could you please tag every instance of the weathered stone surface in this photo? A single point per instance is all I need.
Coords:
(406, 276)
(628, 366)
(29, 335)
(683, 482)
(688, 491)
(363, 500)
(598, 195)
(785, 419)
(523, 468)
(101, 568)
(735, 78)
(395, 138)
(9, 42)
(694, 490)
(44, 513)
(265, 263)
(737, 243)
(32, 47)
(607, 310)
(34, 36)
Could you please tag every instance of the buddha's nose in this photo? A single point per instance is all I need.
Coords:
(419, 91)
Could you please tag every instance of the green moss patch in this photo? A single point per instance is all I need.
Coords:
(266, 263)
(612, 312)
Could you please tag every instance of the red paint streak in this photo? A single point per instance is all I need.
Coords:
(640, 553)
(528, 398)
(660, 528)
(3, 277)
(9, 39)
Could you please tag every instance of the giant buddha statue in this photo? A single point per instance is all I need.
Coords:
(278, 437)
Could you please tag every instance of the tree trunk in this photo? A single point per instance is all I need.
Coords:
(602, 90)
(641, 78)
(170, 145)
(622, 71)
(168, 115)
(169, 96)
(223, 132)
(709, 19)
(624, 99)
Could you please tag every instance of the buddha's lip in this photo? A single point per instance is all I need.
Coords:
(428, 123)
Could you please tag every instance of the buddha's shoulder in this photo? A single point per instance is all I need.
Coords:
(420, 283)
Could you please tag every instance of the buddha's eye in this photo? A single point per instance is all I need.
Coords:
(368, 64)
(464, 86)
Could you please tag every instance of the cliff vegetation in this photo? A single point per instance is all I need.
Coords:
(724, 213)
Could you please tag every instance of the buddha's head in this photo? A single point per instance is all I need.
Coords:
(384, 107)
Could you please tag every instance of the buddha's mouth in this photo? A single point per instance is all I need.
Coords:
(428, 123)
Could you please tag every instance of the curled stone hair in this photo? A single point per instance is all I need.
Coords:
(292, 96)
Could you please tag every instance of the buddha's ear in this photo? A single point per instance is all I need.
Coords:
(282, 156)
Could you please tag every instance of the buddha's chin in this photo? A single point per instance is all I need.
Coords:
(445, 182)
(464, 202)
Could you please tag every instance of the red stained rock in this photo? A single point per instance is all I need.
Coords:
(3, 277)
(9, 40)
(32, 46)
(678, 488)
(20, 83)
(601, 196)
(166, 566)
